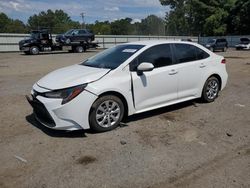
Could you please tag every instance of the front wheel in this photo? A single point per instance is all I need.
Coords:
(34, 50)
(210, 89)
(68, 41)
(106, 113)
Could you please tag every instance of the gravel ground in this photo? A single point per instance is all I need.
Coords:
(185, 145)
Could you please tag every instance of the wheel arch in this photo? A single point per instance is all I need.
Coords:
(218, 77)
(120, 96)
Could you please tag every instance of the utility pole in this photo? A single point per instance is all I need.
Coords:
(82, 15)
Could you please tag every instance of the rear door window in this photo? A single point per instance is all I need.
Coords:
(186, 53)
(82, 32)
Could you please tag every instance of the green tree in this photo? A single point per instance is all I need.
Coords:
(121, 27)
(239, 19)
(100, 28)
(16, 26)
(58, 21)
(207, 17)
(152, 25)
(8, 25)
(4, 21)
(176, 19)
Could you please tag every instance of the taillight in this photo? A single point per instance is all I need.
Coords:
(223, 61)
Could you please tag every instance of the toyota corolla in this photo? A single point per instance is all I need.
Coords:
(124, 80)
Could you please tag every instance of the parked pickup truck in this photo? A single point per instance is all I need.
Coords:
(41, 40)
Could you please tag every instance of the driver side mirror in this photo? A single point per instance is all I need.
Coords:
(145, 67)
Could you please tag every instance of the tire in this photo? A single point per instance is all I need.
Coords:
(224, 49)
(79, 49)
(210, 90)
(106, 113)
(211, 49)
(26, 52)
(34, 50)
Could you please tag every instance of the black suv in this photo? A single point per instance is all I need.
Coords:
(76, 35)
(217, 44)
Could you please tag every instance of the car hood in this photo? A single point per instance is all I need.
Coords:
(28, 40)
(59, 35)
(71, 76)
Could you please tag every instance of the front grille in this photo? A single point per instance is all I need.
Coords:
(41, 113)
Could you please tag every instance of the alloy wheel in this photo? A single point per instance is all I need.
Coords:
(108, 113)
(212, 89)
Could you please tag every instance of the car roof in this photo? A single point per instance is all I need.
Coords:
(244, 38)
(81, 29)
(156, 42)
(218, 39)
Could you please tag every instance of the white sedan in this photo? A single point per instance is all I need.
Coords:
(124, 80)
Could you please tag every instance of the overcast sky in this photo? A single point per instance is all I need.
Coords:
(94, 9)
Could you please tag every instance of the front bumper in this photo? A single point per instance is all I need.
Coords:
(242, 47)
(73, 115)
(40, 111)
(24, 49)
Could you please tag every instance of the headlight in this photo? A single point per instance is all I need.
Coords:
(66, 94)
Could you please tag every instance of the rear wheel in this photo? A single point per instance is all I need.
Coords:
(211, 49)
(224, 49)
(34, 50)
(79, 49)
(106, 113)
(210, 89)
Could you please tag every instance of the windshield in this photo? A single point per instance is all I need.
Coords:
(113, 57)
(210, 41)
(35, 35)
(245, 41)
(69, 32)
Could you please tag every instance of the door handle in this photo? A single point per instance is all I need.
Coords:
(202, 65)
(173, 72)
